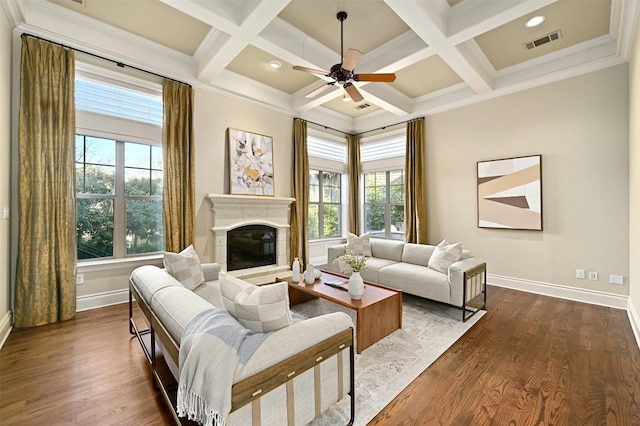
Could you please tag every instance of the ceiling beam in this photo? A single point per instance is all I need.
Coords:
(241, 25)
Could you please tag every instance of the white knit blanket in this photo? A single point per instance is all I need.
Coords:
(213, 345)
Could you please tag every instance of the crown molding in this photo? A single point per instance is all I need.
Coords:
(14, 9)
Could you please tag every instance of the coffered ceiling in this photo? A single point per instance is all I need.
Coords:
(444, 53)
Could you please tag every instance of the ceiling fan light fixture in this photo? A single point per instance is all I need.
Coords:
(535, 21)
(275, 64)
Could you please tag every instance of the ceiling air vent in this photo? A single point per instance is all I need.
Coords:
(362, 106)
(543, 40)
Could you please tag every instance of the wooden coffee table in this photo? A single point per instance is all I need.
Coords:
(378, 313)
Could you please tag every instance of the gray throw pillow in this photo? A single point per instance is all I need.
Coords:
(259, 308)
(185, 267)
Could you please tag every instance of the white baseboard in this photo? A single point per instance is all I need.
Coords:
(634, 319)
(5, 328)
(554, 290)
(100, 300)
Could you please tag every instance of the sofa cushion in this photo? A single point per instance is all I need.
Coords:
(387, 249)
(444, 255)
(418, 254)
(149, 279)
(175, 307)
(373, 266)
(259, 308)
(419, 280)
(185, 267)
(359, 244)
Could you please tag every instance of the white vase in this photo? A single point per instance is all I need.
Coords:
(295, 271)
(356, 286)
(309, 275)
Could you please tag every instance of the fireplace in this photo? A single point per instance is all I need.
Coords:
(250, 246)
(249, 214)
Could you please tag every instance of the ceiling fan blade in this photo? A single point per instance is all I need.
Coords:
(351, 59)
(311, 70)
(353, 92)
(384, 78)
(319, 90)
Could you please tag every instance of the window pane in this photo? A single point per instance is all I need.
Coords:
(156, 183)
(331, 221)
(157, 162)
(374, 220)
(312, 228)
(94, 232)
(375, 187)
(137, 155)
(100, 151)
(314, 186)
(144, 226)
(396, 182)
(397, 221)
(79, 149)
(137, 182)
(93, 179)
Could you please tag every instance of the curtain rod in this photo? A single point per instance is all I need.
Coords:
(118, 63)
(361, 133)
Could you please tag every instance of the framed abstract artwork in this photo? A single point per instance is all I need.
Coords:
(250, 163)
(510, 193)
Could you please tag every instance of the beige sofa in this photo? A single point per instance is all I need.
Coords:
(295, 374)
(404, 266)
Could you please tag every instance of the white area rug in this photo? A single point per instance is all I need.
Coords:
(383, 370)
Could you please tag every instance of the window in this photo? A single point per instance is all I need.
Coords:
(384, 204)
(327, 155)
(119, 166)
(324, 204)
(119, 202)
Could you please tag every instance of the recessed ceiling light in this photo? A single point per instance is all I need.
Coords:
(275, 64)
(535, 21)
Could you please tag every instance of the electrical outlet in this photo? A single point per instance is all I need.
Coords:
(616, 279)
(5, 212)
(593, 276)
(580, 274)
(79, 279)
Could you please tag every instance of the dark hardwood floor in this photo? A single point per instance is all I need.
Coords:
(531, 360)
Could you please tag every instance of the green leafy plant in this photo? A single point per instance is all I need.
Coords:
(353, 260)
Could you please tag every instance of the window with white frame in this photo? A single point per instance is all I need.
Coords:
(382, 160)
(327, 155)
(119, 166)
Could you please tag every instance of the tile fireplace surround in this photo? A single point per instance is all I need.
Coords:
(232, 211)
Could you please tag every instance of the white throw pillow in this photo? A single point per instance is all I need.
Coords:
(185, 267)
(361, 244)
(259, 308)
(444, 255)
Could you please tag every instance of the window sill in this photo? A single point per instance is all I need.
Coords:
(108, 264)
(332, 240)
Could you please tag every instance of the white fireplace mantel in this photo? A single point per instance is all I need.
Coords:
(233, 211)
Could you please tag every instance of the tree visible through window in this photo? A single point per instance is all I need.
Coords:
(384, 204)
(119, 198)
(324, 204)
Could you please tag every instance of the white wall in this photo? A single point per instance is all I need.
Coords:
(634, 183)
(580, 126)
(214, 113)
(6, 42)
